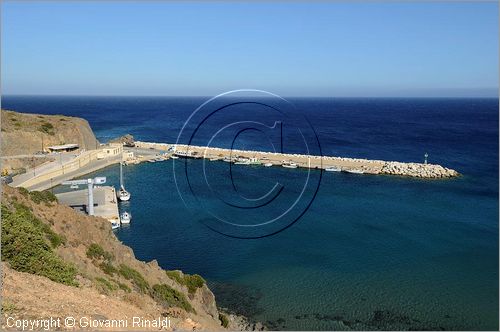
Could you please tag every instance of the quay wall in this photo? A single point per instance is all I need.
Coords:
(367, 166)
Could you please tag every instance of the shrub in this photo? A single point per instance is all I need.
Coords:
(25, 247)
(47, 128)
(104, 285)
(108, 268)
(192, 282)
(223, 320)
(136, 278)
(25, 192)
(170, 297)
(175, 275)
(20, 170)
(95, 251)
(42, 196)
(123, 287)
(55, 239)
(8, 307)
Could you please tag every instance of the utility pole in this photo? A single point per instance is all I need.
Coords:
(90, 185)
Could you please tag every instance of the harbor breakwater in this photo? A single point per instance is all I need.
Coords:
(354, 165)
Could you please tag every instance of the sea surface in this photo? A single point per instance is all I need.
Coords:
(371, 252)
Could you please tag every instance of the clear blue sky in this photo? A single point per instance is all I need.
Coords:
(297, 49)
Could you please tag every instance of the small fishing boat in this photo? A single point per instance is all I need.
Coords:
(122, 194)
(151, 161)
(268, 164)
(174, 157)
(214, 159)
(354, 171)
(333, 169)
(185, 154)
(289, 164)
(74, 186)
(227, 159)
(125, 218)
(242, 161)
(115, 225)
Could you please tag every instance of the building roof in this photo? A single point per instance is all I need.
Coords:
(63, 147)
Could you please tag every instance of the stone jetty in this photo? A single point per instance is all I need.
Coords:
(417, 170)
(365, 166)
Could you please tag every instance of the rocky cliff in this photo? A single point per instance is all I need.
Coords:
(58, 263)
(23, 133)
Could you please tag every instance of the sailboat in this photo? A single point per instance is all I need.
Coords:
(122, 194)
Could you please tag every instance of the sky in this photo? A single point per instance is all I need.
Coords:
(359, 49)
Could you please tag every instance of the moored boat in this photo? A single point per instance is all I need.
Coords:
(242, 161)
(122, 194)
(125, 218)
(353, 171)
(185, 154)
(333, 169)
(289, 164)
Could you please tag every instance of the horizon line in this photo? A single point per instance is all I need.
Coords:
(284, 96)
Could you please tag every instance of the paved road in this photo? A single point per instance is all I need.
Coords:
(143, 151)
(18, 156)
(89, 168)
(60, 158)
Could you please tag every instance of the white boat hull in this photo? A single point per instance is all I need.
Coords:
(123, 195)
(354, 171)
(125, 218)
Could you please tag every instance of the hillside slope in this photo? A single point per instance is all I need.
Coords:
(23, 133)
(87, 271)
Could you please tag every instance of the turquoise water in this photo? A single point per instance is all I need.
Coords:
(371, 252)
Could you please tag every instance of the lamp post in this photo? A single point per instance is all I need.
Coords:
(90, 184)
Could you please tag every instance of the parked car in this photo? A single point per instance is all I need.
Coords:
(6, 179)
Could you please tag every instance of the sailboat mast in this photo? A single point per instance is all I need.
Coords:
(121, 175)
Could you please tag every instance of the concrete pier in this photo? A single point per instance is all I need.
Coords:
(366, 166)
(105, 202)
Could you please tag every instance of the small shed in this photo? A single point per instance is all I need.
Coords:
(63, 148)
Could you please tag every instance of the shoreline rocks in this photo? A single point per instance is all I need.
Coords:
(428, 171)
(353, 165)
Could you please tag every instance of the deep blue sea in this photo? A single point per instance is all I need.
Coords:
(371, 252)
